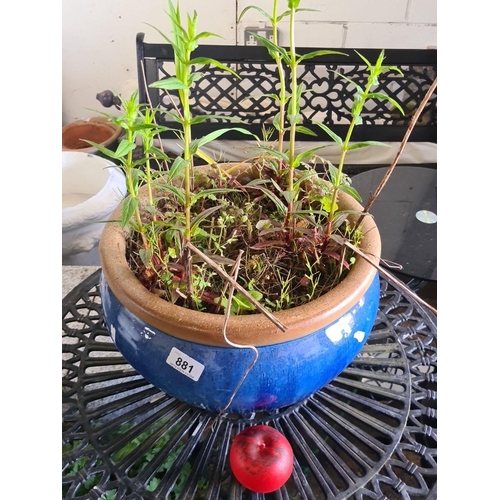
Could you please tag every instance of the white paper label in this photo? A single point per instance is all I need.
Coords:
(185, 364)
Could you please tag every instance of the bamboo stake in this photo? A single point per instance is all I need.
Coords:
(236, 285)
(392, 279)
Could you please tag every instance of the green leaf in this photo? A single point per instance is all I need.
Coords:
(102, 149)
(384, 97)
(158, 154)
(175, 117)
(205, 34)
(392, 68)
(305, 154)
(109, 495)
(277, 122)
(207, 192)
(288, 12)
(213, 62)
(273, 153)
(262, 12)
(364, 144)
(306, 174)
(146, 254)
(153, 484)
(203, 216)
(124, 148)
(305, 130)
(326, 203)
(121, 151)
(332, 171)
(171, 83)
(288, 195)
(366, 61)
(177, 168)
(318, 53)
(351, 191)
(195, 76)
(198, 143)
(294, 119)
(279, 204)
(380, 59)
(282, 16)
(179, 193)
(358, 87)
(203, 118)
(244, 303)
(273, 49)
(129, 206)
(258, 96)
(331, 134)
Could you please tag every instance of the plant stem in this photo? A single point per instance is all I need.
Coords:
(187, 257)
(391, 278)
(293, 100)
(281, 74)
(184, 96)
(293, 118)
(132, 191)
(358, 107)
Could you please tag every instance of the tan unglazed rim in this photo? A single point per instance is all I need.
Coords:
(253, 329)
(72, 132)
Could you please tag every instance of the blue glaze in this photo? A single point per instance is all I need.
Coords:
(284, 373)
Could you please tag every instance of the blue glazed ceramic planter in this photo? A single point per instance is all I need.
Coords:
(183, 352)
(206, 376)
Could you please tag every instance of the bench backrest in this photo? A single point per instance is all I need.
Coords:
(328, 100)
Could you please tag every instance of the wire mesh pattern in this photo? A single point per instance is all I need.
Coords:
(328, 93)
(329, 84)
(369, 434)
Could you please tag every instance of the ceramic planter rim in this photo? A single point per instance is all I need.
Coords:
(103, 123)
(252, 329)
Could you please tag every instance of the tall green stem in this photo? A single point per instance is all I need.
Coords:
(343, 151)
(281, 74)
(292, 114)
(132, 189)
(293, 99)
(184, 96)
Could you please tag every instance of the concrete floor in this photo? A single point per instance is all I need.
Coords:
(73, 276)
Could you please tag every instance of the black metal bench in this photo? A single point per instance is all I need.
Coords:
(329, 101)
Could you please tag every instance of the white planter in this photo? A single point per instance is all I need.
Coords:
(92, 187)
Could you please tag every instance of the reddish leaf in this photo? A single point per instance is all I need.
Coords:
(267, 244)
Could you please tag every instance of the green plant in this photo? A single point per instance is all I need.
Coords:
(278, 221)
(166, 432)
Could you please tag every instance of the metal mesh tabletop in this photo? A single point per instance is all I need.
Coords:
(369, 434)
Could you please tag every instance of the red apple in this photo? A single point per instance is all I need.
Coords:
(261, 458)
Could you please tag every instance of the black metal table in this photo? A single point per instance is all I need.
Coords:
(406, 216)
(369, 434)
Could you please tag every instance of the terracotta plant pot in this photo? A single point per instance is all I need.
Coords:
(183, 352)
(96, 129)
